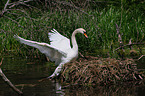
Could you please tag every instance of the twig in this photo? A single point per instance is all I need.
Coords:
(8, 81)
(129, 45)
(140, 77)
(14, 21)
(4, 10)
(141, 57)
(22, 3)
(82, 55)
(69, 4)
(70, 85)
(11, 5)
(120, 40)
(121, 14)
(137, 33)
(1, 62)
(6, 5)
(119, 35)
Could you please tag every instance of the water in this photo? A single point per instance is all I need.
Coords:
(26, 74)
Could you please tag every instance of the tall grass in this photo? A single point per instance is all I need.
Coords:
(100, 26)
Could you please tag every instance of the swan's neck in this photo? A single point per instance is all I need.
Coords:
(74, 43)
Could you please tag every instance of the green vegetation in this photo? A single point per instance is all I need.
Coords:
(100, 23)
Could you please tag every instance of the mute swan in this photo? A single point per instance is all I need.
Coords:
(59, 49)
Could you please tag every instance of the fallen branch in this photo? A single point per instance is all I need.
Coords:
(82, 55)
(9, 7)
(73, 6)
(18, 3)
(4, 10)
(8, 81)
(1, 62)
(141, 57)
(119, 35)
(120, 40)
(129, 45)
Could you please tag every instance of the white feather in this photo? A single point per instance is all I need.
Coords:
(59, 49)
(53, 53)
(59, 41)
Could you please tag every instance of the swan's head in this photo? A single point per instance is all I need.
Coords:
(83, 31)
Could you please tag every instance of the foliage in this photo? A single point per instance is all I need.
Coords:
(32, 24)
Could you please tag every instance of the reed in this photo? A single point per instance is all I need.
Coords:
(100, 26)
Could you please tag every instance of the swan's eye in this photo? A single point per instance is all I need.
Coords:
(84, 31)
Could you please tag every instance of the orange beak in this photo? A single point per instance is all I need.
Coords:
(85, 35)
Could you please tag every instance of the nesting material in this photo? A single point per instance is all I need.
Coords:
(100, 71)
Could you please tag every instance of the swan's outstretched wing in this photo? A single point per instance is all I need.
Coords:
(52, 52)
(59, 41)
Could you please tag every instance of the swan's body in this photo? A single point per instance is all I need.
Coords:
(59, 49)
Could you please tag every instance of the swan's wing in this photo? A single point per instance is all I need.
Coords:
(59, 41)
(53, 53)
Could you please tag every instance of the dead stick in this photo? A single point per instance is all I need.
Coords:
(73, 6)
(1, 62)
(141, 57)
(4, 10)
(119, 35)
(8, 81)
(129, 45)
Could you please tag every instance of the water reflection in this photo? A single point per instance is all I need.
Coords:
(113, 90)
(25, 75)
(59, 89)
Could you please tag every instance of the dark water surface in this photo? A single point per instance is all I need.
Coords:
(25, 75)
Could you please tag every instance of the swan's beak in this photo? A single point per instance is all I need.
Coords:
(85, 35)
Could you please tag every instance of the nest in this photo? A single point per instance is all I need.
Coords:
(100, 71)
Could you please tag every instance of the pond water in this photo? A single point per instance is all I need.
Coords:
(26, 74)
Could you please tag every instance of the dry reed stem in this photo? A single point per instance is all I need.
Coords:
(100, 71)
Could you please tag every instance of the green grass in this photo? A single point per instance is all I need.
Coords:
(100, 27)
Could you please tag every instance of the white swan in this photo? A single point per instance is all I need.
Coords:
(59, 49)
